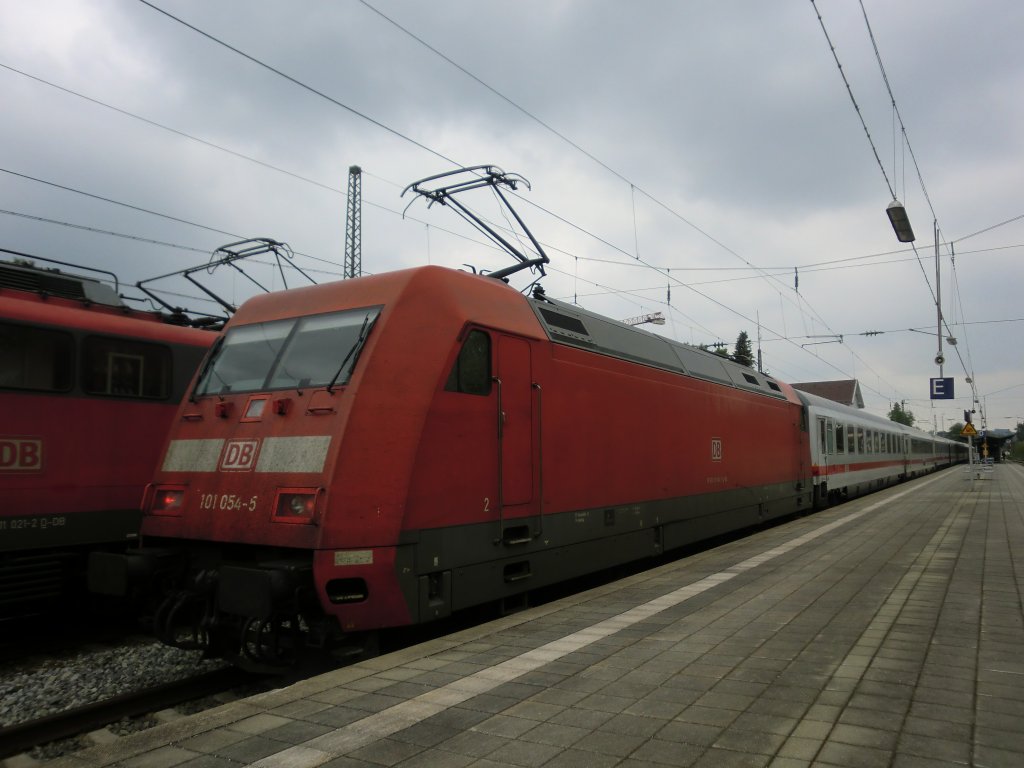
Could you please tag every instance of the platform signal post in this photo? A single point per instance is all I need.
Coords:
(970, 433)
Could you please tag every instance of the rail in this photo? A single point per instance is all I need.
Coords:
(21, 737)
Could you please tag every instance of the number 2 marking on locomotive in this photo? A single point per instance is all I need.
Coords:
(487, 504)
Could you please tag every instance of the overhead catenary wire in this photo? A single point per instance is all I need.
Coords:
(863, 123)
(633, 186)
(917, 168)
(300, 84)
(435, 153)
(404, 136)
(438, 154)
(895, 109)
(853, 100)
(170, 129)
(906, 141)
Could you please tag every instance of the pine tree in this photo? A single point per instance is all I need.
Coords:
(743, 354)
(901, 415)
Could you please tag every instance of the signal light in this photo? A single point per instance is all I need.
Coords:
(167, 501)
(296, 506)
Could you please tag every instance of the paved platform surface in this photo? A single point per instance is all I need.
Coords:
(887, 631)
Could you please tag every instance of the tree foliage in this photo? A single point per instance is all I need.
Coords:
(1017, 451)
(901, 415)
(743, 353)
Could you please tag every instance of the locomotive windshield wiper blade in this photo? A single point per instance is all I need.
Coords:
(211, 358)
(354, 352)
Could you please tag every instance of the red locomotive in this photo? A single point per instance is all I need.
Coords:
(383, 451)
(386, 450)
(88, 389)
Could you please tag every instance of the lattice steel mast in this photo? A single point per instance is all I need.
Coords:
(354, 224)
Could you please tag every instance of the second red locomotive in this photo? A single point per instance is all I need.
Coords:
(88, 389)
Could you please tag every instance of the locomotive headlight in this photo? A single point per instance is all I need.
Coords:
(167, 501)
(299, 504)
(296, 505)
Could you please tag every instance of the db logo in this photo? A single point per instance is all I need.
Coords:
(239, 455)
(716, 449)
(21, 454)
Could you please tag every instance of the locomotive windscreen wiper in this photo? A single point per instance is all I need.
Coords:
(353, 354)
(211, 358)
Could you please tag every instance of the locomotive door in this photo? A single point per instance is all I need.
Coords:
(516, 443)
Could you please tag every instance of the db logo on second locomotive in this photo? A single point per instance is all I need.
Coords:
(239, 455)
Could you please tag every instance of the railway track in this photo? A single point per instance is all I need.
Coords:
(22, 737)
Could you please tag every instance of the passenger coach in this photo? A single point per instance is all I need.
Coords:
(853, 452)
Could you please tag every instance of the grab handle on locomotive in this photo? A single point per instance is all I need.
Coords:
(501, 460)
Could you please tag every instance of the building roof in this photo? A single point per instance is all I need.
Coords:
(845, 391)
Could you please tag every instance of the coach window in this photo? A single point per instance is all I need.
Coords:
(860, 440)
(851, 439)
(471, 373)
(831, 436)
(840, 437)
(124, 368)
(35, 359)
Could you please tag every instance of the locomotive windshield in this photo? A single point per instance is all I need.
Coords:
(310, 351)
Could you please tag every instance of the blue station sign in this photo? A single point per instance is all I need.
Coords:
(942, 389)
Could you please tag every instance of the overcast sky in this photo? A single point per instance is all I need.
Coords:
(709, 147)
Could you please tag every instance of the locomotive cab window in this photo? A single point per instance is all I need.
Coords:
(311, 351)
(323, 348)
(471, 373)
(124, 368)
(35, 359)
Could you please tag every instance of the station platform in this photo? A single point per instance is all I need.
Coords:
(887, 631)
